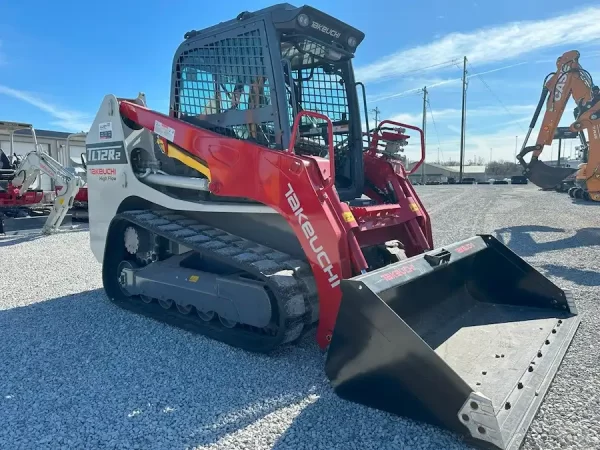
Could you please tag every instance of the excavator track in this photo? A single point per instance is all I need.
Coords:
(290, 281)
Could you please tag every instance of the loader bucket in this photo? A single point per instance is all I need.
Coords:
(545, 176)
(468, 338)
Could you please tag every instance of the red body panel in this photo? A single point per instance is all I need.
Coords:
(82, 195)
(11, 197)
(301, 189)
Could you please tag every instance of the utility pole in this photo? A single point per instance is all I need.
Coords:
(376, 111)
(463, 117)
(424, 131)
(516, 146)
(490, 155)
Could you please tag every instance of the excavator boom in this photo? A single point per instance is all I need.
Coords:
(569, 81)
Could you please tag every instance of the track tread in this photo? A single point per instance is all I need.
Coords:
(289, 279)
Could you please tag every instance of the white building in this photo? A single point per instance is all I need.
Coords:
(52, 142)
(437, 172)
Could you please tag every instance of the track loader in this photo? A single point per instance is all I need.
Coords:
(570, 80)
(256, 210)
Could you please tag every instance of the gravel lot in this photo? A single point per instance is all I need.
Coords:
(76, 372)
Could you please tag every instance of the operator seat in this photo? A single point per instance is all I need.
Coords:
(4, 162)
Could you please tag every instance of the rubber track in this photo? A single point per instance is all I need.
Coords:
(289, 279)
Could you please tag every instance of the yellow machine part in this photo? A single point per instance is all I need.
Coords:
(172, 151)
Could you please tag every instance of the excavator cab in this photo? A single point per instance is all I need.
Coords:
(248, 78)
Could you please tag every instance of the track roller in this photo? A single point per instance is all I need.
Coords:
(166, 304)
(205, 316)
(185, 310)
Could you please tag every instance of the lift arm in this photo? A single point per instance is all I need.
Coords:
(569, 80)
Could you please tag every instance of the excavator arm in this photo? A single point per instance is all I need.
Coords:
(569, 81)
(37, 162)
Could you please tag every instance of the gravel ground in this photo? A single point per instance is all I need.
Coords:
(77, 372)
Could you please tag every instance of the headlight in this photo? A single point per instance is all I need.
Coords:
(303, 20)
(352, 41)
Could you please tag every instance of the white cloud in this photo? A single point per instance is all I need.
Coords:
(443, 82)
(454, 114)
(500, 142)
(69, 120)
(496, 134)
(502, 145)
(489, 45)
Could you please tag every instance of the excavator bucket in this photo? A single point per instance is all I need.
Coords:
(545, 176)
(468, 338)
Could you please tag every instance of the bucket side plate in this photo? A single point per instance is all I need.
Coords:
(470, 344)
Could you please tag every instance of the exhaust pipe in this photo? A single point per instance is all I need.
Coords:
(467, 338)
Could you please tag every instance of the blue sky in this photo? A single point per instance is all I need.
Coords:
(58, 60)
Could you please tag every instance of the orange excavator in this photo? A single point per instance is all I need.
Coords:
(569, 80)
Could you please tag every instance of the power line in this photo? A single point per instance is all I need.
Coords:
(448, 63)
(435, 129)
(415, 91)
(497, 98)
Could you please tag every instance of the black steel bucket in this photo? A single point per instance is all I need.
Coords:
(545, 176)
(468, 338)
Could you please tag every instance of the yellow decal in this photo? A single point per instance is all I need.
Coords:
(173, 152)
(348, 216)
(414, 207)
(61, 201)
(161, 144)
(193, 278)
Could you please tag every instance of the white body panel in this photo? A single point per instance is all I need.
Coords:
(111, 180)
